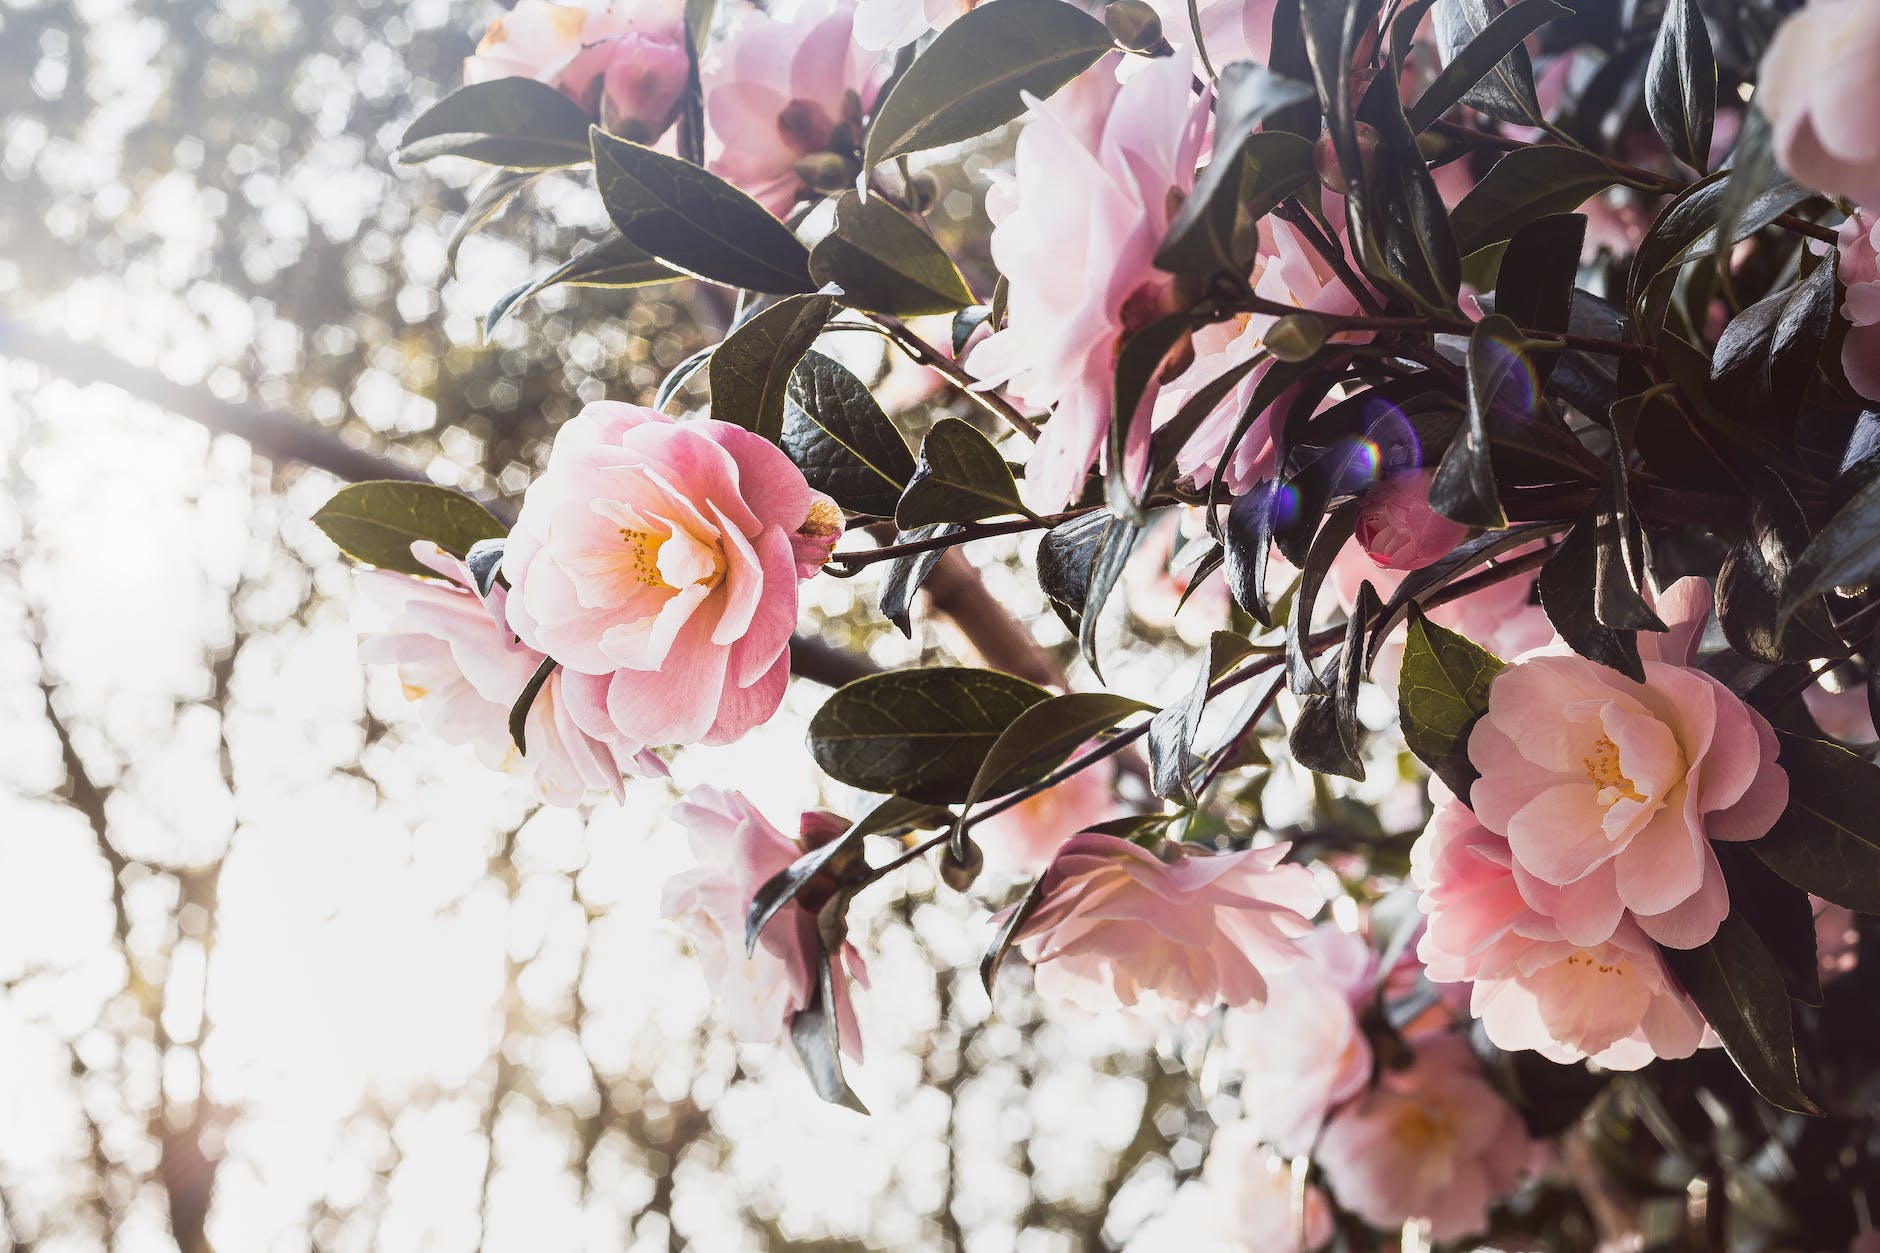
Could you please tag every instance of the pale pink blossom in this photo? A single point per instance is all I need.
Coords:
(1096, 171)
(1118, 925)
(1613, 1000)
(1160, 595)
(782, 86)
(1845, 715)
(1818, 90)
(1230, 30)
(1303, 1053)
(624, 61)
(1610, 792)
(1397, 528)
(883, 24)
(1432, 1142)
(658, 562)
(1858, 246)
(1259, 1204)
(1024, 838)
(738, 851)
(464, 668)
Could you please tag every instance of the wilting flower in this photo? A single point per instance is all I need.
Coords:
(1118, 925)
(1260, 1206)
(1612, 1001)
(624, 61)
(781, 89)
(1433, 1141)
(1609, 792)
(1096, 169)
(1859, 253)
(658, 562)
(1027, 836)
(457, 659)
(883, 24)
(1397, 528)
(1819, 92)
(738, 851)
(1303, 1053)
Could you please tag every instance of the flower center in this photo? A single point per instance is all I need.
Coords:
(1421, 1127)
(1585, 961)
(1606, 773)
(643, 558)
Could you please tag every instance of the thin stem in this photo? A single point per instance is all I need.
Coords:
(1444, 326)
(967, 532)
(926, 354)
(1295, 212)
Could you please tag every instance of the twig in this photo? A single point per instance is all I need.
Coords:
(931, 357)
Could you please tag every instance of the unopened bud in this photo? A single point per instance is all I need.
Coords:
(922, 190)
(1295, 337)
(824, 172)
(1399, 530)
(1136, 28)
(959, 873)
(1325, 158)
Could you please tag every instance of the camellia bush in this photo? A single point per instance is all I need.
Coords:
(1508, 371)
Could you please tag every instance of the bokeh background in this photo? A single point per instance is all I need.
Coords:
(277, 972)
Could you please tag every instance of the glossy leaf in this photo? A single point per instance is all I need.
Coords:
(1442, 688)
(905, 575)
(1568, 586)
(817, 1036)
(1685, 230)
(485, 563)
(1064, 556)
(1485, 64)
(613, 263)
(752, 369)
(1041, 739)
(517, 123)
(1114, 544)
(1770, 350)
(1534, 286)
(1827, 841)
(1414, 250)
(883, 261)
(1172, 730)
(1527, 184)
(519, 711)
(893, 814)
(1010, 925)
(844, 444)
(377, 522)
(491, 196)
(1845, 553)
(1752, 581)
(960, 477)
(1681, 84)
(1331, 537)
(1248, 548)
(1464, 487)
(1326, 737)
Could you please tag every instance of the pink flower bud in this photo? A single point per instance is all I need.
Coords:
(642, 86)
(1397, 528)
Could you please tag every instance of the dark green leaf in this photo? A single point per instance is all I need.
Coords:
(1828, 839)
(491, 195)
(1442, 689)
(1040, 740)
(1414, 251)
(1568, 589)
(1739, 989)
(1172, 730)
(1750, 585)
(1526, 184)
(780, 889)
(817, 1035)
(377, 522)
(1534, 286)
(513, 122)
(1777, 911)
(1248, 548)
(1681, 84)
(682, 374)
(1020, 913)
(1318, 560)
(1846, 552)
(1065, 555)
(1770, 349)
(969, 79)
(1418, 585)
(1685, 230)
(905, 575)
(519, 712)
(696, 222)
(885, 262)
(1752, 165)
(1464, 487)
(1619, 577)
(614, 263)
(842, 441)
(1484, 63)
(917, 733)
(1326, 735)
(751, 370)
(960, 477)
(1106, 567)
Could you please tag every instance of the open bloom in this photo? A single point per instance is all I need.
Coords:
(457, 659)
(624, 61)
(1096, 169)
(658, 562)
(1609, 792)
(738, 851)
(1819, 92)
(1612, 1001)
(1397, 528)
(784, 86)
(1433, 1141)
(1118, 925)
(1858, 247)
(1260, 1206)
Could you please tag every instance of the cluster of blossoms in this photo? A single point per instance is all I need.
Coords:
(646, 597)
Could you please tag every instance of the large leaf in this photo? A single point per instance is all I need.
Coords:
(1484, 63)
(613, 263)
(1527, 184)
(751, 370)
(1828, 839)
(1247, 549)
(1464, 487)
(960, 477)
(1751, 584)
(1442, 689)
(1845, 553)
(696, 222)
(1739, 988)
(842, 441)
(905, 574)
(1681, 84)
(1064, 557)
(885, 262)
(377, 522)
(1769, 351)
(917, 733)
(1414, 251)
(513, 122)
(1686, 229)
(1172, 730)
(1534, 286)
(970, 79)
(1041, 739)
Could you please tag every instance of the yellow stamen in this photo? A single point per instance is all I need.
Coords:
(1603, 768)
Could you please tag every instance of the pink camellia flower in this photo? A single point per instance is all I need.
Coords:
(784, 86)
(738, 851)
(881, 24)
(1302, 1054)
(1612, 1001)
(1431, 1142)
(1096, 170)
(1397, 528)
(1260, 1205)
(624, 61)
(1024, 838)
(1118, 925)
(1817, 88)
(466, 670)
(1859, 254)
(658, 562)
(1609, 792)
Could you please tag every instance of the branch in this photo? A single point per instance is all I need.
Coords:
(931, 357)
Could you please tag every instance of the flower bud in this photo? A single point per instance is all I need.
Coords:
(1295, 337)
(642, 86)
(959, 873)
(1399, 530)
(824, 172)
(1136, 28)
(1325, 158)
(922, 190)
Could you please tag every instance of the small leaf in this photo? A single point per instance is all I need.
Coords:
(1138, 365)
(1326, 736)
(519, 712)
(513, 122)
(1685, 230)
(1248, 548)
(817, 1035)
(1770, 350)
(1739, 989)
(969, 79)
(1415, 251)
(1753, 579)
(377, 522)
(1065, 555)
(885, 262)
(917, 733)
(1114, 545)
(1826, 841)
(1485, 64)
(1464, 487)
(1332, 535)
(1442, 689)
(1845, 553)
(1040, 740)
(1527, 184)
(1568, 590)
(1779, 913)
(960, 477)
(492, 194)
(485, 561)
(614, 263)
(1016, 916)
(1681, 84)
(696, 222)
(844, 444)
(752, 369)
(781, 888)
(1752, 164)
(906, 574)
(1172, 730)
